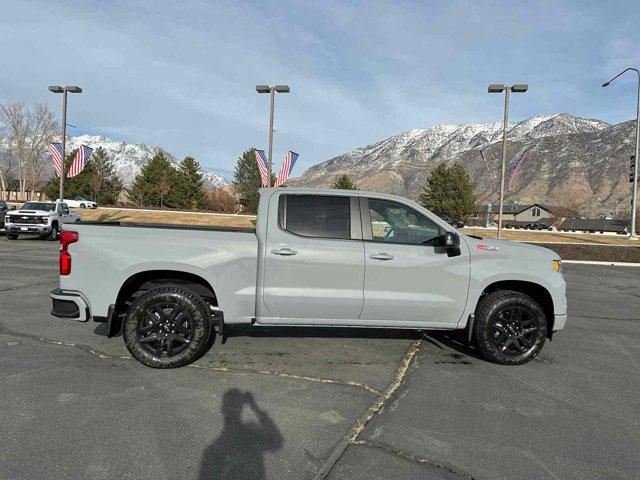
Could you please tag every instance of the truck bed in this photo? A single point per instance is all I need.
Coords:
(108, 254)
(171, 226)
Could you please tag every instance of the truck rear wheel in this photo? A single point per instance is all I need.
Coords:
(168, 327)
(510, 327)
(11, 236)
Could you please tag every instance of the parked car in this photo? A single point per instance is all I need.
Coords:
(339, 258)
(45, 219)
(4, 208)
(80, 202)
(451, 221)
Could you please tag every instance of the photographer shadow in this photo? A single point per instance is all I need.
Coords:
(238, 453)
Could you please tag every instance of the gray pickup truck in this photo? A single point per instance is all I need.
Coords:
(321, 258)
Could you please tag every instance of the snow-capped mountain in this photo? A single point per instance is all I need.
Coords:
(569, 160)
(128, 158)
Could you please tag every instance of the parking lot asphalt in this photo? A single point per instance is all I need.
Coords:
(317, 403)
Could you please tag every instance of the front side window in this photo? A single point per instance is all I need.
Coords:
(393, 222)
(321, 216)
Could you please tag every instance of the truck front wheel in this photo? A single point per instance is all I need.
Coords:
(168, 327)
(510, 327)
(53, 235)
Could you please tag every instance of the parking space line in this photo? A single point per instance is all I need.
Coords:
(362, 422)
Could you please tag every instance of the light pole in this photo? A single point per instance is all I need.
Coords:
(271, 89)
(634, 198)
(499, 88)
(63, 91)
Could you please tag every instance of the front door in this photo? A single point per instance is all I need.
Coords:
(314, 261)
(408, 281)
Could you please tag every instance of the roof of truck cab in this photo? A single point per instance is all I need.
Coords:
(331, 191)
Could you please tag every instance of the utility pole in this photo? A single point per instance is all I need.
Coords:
(271, 90)
(64, 91)
(498, 88)
(634, 188)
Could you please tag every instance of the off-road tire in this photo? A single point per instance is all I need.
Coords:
(192, 304)
(53, 234)
(11, 236)
(82, 205)
(492, 309)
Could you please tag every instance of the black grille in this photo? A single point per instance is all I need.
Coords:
(26, 220)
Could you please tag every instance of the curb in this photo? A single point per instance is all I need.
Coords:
(610, 264)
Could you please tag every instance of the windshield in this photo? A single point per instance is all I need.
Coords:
(47, 207)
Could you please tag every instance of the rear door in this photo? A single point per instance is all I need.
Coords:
(314, 261)
(409, 282)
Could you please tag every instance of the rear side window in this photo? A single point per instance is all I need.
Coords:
(321, 216)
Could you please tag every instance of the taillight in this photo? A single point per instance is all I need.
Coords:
(66, 239)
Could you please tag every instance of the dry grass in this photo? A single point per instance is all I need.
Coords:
(555, 237)
(164, 217)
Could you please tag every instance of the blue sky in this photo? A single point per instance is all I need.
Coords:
(181, 75)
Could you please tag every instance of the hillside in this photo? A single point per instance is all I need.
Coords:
(577, 162)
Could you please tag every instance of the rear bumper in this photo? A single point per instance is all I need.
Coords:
(69, 305)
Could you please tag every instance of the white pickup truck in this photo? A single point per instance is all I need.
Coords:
(317, 257)
(45, 219)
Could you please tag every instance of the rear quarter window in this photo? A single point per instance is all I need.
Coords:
(319, 216)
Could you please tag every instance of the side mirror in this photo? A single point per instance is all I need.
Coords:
(449, 243)
(451, 240)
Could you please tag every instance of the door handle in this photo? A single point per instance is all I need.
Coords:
(285, 252)
(381, 256)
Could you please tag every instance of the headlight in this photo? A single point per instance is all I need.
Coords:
(557, 265)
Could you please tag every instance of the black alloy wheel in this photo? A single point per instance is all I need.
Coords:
(514, 330)
(165, 329)
(510, 327)
(53, 235)
(168, 327)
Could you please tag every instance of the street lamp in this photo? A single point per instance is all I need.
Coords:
(634, 198)
(499, 88)
(64, 91)
(271, 89)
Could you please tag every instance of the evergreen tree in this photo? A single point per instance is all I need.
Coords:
(449, 190)
(104, 184)
(98, 181)
(247, 180)
(153, 185)
(343, 182)
(187, 192)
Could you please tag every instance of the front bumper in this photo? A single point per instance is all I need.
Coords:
(69, 305)
(28, 229)
(559, 321)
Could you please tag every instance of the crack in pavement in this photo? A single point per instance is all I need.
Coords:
(412, 458)
(104, 355)
(362, 421)
(603, 283)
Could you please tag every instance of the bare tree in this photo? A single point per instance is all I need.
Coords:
(29, 133)
(6, 161)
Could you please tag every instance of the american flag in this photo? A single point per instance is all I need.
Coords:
(263, 166)
(55, 149)
(516, 169)
(82, 158)
(287, 166)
